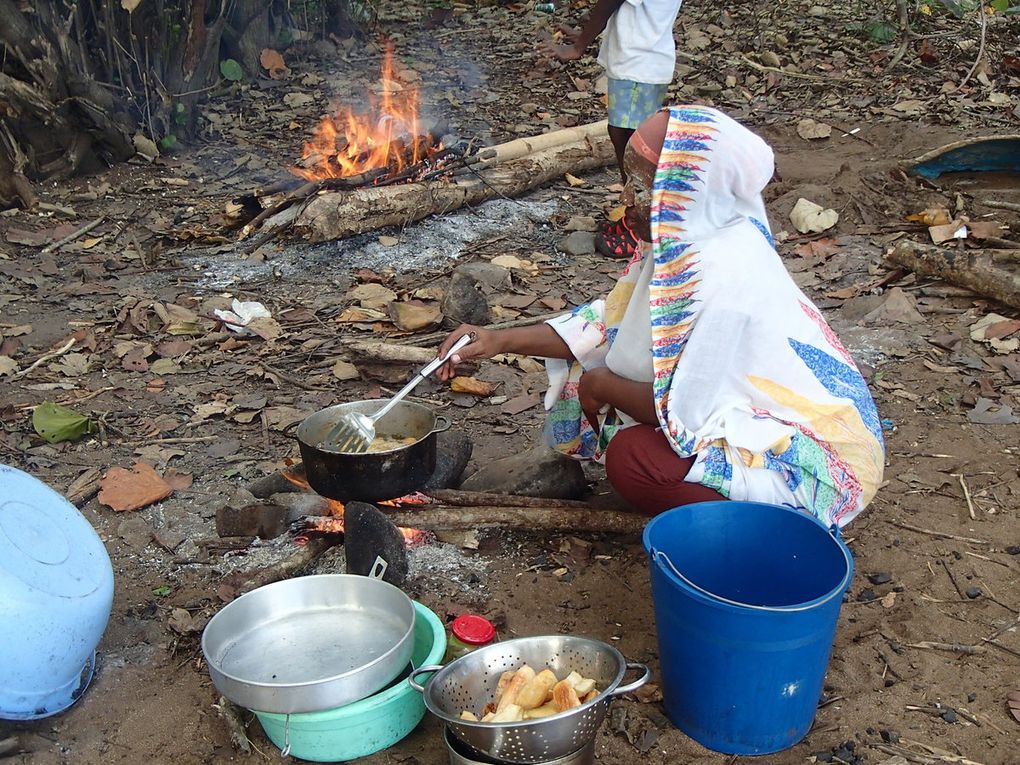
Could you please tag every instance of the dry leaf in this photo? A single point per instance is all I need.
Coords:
(265, 327)
(988, 412)
(888, 600)
(272, 62)
(372, 295)
(955, 230)
(992, 329)
(389, 241)
(617, 213)
(820, 249)
(472, 386)
(358, 315)
(414, 315)
(8, 366)
(512, 261)
(122, 490)
(177, 480)
(573, 180)
(931, 216)
(345, 370)
(520, 404)
(1013, 699)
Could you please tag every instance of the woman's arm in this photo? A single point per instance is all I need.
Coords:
(538, 340)
(599, 387)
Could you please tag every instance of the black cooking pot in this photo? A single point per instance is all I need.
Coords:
(371, 476)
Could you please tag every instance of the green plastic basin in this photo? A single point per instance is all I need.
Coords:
(369, 725)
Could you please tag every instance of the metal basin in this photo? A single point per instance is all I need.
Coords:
(311, 643)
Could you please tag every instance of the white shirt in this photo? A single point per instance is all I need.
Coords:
(638, 42)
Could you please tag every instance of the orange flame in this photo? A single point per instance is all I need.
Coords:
(388, 136)
(333, 523)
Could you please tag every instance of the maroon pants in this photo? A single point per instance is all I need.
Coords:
(646, 472)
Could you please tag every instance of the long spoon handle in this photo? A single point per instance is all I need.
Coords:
(425, 371)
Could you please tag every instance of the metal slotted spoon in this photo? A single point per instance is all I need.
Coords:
(355, 431)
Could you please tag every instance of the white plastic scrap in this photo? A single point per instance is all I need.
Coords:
(241, 315)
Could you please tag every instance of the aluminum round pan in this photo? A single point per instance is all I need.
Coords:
(311, 643)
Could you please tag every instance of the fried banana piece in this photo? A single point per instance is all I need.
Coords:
(535, 693)
(488, 717)
(466, 715)
(509, 713)
(513, 689)
(543, 711)
(504, 681)
(489, 709)
(564, 696)
(590, 695)
(583, 686)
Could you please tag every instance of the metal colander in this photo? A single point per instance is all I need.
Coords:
(470, 682)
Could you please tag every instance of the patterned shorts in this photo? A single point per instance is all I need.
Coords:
(631, 103)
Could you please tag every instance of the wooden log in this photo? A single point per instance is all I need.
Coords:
(302, 555)
(487, 499)
(233, 716)
(992, 273)
(335, 215)
(520, 147)
(389, 352)
(538, 519)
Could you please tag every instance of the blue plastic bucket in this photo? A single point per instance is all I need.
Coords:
(746, 598)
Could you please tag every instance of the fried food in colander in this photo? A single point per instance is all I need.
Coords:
(528, 695)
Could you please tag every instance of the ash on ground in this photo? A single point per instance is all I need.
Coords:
(438, 560)
(434, 243)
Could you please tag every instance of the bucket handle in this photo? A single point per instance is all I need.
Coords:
(660, 556)
(421, 671)
(378, 569)
(646, 675)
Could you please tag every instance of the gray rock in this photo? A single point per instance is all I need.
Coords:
(135, 532)
(488, 274)
(263, 520)
(578, 243)
(453, 450)
(464, 302)
(540, 472)
(582, 223)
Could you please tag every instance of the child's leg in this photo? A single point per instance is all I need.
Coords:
(630, 104)
(647, 473)
(619, 136)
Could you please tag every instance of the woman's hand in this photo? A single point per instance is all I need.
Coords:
(598, 387)
(570, 52)
(591, 394)
(485, 345)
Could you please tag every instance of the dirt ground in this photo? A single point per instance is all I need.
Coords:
(945, 522)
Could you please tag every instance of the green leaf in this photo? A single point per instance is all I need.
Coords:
(57, 423)
(167, 142)
(1000, 5)
(162, 591)
(881, 31)
(231, 70)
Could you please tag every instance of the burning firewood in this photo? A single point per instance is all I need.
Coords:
(318, 213)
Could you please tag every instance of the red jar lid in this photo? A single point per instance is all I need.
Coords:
(473, 629)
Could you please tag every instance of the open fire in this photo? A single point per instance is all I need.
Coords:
(389, 137)
(333, 523)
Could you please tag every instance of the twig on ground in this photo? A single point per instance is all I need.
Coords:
(940, 534)
(931, 645)
(981, 47)
(966, 495)
(997, 205)
(71, 237)
(952, 578)
(46, 357)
